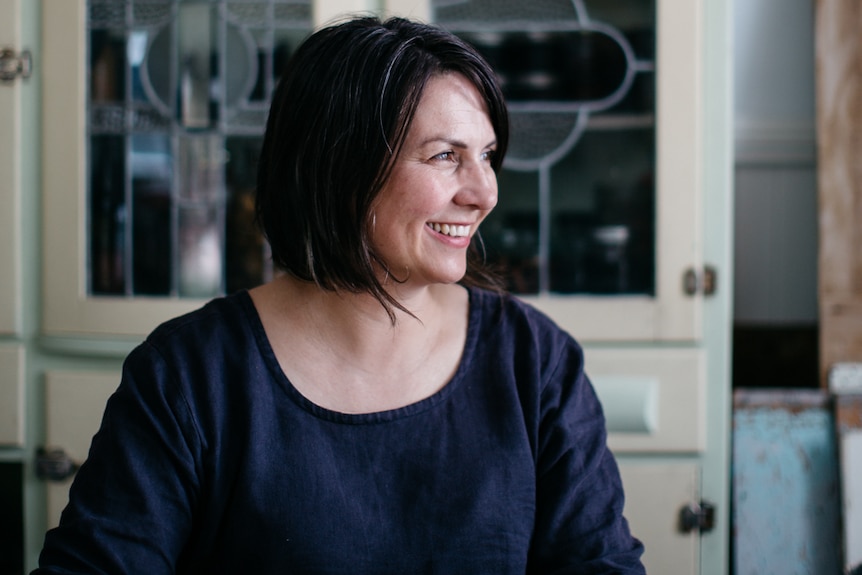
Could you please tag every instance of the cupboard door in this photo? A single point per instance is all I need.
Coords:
(153, 117)
(12, 362)
(10, 182)
(74, 403)
(598, 218)
(655, 494)
(97, 284)
(69, 309)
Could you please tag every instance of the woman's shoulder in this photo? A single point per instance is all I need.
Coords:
(197, 354)
(223, 327)
(219, 316)
(513, 330)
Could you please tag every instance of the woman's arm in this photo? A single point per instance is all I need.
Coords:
(579, 525)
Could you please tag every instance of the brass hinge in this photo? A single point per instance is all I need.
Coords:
(14, 65)
(704, 281)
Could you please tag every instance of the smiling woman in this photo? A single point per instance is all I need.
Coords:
(315, 229)
(381, 406)
(440, 188)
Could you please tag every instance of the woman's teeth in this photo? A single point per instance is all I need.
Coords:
(452, 230)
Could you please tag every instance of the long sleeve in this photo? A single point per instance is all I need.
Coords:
(579, 523)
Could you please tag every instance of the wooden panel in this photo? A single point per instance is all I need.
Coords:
(839, 123)
(840, 330)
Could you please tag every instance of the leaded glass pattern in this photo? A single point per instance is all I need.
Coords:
(178, 97)
(576, 213)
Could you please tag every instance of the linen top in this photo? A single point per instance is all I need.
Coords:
(208, 460)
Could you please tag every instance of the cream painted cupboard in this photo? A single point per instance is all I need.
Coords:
(12, 353)
(656, 344)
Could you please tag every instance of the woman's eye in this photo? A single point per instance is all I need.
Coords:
(489, 155)
(443, 156)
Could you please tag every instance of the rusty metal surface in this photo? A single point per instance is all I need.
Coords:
(786, 489)
(788, 399)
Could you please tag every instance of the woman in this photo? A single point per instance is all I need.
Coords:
(380, 407)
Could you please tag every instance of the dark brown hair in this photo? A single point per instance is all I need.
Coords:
(339, 116)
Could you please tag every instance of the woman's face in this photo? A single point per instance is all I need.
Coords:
(441, 186)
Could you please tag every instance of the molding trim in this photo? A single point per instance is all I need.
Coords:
(86, 346)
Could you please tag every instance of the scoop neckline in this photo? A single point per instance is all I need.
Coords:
(409, 410)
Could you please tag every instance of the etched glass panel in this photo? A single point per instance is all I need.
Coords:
(151, 168)
(576, 213)
(178, 97)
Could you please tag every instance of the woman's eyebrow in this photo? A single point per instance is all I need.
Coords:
(455, 143)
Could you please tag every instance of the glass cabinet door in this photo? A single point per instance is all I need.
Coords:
(590, 219)
(177, 100)
(154, 116)
(597, 220)
(576, 209)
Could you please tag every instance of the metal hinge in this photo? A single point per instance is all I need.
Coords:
(697, 516)
(703, 281)
(14, 65)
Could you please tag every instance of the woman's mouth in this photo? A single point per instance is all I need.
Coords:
(451, 230)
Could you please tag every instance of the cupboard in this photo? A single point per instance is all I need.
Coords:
(654, 336)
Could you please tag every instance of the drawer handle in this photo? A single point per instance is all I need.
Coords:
(630, 403)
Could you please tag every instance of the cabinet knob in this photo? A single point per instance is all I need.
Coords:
(54, 464)
(697, 517)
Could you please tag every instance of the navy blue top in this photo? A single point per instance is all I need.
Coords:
(208, 460)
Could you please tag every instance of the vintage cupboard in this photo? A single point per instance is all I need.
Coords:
(613, 217)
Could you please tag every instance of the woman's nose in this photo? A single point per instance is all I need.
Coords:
(478, 186)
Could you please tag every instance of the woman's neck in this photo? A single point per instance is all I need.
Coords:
(342, 350)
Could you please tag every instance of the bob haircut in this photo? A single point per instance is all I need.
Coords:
(338, 119)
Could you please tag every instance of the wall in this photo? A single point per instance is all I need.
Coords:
(776, 190)
(786, 504)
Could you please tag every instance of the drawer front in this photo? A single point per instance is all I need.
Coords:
(654, 399)
(74, 404)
